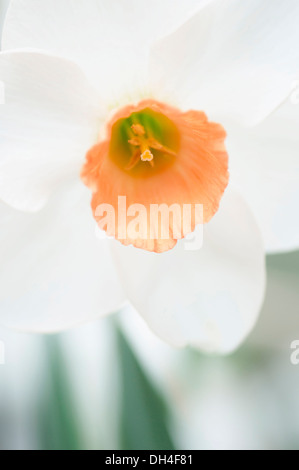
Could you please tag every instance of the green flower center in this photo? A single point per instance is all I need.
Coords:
(145, 143)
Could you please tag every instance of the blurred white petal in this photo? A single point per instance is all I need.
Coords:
(3, 8)
(48, 123)
(155, 355)
(209, 298)
(234, 58)
(264, 166)
(109, 39)
(55, 273)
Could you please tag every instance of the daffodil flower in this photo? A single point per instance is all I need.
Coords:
(110, 98)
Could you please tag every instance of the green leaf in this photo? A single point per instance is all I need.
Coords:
(58, 426)
(144, 416)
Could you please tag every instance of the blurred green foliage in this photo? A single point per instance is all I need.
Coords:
(144, 417)
(58, 425)
(143, 420)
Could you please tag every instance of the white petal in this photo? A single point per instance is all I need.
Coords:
(48, 123)
(234, 58)
(209, 298)
(55, 273)
(264, 167)
(155, 355)
(3, 8)
(109, 39)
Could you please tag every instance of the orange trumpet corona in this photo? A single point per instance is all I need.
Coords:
(156, 154)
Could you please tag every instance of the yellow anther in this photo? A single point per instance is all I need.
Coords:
(138, 129)
(135, 141)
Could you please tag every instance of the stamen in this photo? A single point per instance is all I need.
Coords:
(134, 160)
(154, 144)
(135, 141)
(138, 129)
(145, 143)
